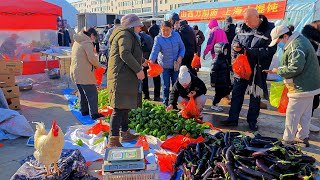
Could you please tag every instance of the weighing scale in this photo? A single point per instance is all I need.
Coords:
(124, 159)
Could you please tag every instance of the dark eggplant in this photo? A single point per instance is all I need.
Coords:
(270, 158)
(254, 173)
(259, 154)
(304, 159)
(254, 149)
(265, 168)
(231, 172)
(213, 155)
(198, 150)
(246, 141)
(234, 134)
(179, 159)
(207, 171)
(245, 159)
(218, 134)
(188, 155)
(218, 152)
(222, 166)
(229, 155)
(266, 139)
(200, 166)
(224, 151)
(227, 139)
(243, 176)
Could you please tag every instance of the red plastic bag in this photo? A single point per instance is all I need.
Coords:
(142, 141)
(154, 69)
(241, 66)
(99, 73)
(196, 63)
(284, 101)
(178, 142)
(190, 110)
(106, 111)
(99, 127)
(166, 161)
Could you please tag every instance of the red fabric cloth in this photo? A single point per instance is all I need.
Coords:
(27, 14)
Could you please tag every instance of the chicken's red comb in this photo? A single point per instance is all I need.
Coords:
(54, 124)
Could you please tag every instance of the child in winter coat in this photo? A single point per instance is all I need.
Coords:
(220, 74)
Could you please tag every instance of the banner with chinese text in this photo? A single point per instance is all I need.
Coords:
(272, 10)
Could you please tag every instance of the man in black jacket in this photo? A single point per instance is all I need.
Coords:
(154, 29)
(187, 85)
(189, 40)
(254, 38)
(199, 38)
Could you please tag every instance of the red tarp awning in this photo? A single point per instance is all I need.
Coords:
(28, 14)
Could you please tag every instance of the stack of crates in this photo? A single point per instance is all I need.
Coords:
(8, 70)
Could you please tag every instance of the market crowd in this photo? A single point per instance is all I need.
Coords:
(174, 44)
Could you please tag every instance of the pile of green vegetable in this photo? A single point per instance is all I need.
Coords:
(103, 99)
(153, 120)
(233, 156)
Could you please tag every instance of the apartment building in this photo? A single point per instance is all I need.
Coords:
(131, 6)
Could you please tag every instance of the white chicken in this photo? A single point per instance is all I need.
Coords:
(48, 145)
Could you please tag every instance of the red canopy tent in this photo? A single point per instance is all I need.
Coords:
(28, 14)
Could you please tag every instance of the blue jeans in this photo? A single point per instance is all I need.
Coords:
(238, 92)
(166, 76)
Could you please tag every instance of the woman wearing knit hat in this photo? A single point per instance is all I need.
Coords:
(186, 86)
(169, 49)
(124, 73)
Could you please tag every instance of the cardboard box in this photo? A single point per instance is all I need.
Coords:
(14, 103)
(10, 67)
(11, 92)
(9, 80)
(2, 84)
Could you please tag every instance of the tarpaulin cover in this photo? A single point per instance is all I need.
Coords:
(28, 14)
(298, 13)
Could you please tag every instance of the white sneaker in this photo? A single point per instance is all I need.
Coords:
(217, 108)
(314, 128)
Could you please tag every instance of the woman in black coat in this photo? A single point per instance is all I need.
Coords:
(312, 32)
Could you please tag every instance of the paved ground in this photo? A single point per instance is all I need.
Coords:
(45, 102)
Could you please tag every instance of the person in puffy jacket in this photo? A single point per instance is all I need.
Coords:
(216, 35)
(220, 74)
(299, 67)
(169, 49)
(186, 86)
(254, 39)
(83, 63)
(189, 40)
(312, 32)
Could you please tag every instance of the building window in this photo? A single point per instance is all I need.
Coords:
(165, 1)
(160, 1)
(148, 9)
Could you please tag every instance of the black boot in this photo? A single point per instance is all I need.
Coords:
(96, 116)
(253, 127)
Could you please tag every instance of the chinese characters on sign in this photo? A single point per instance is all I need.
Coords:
(272, 10)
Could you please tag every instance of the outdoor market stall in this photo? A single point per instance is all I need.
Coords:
(26, 30)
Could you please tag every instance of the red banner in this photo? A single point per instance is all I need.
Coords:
(272, 10)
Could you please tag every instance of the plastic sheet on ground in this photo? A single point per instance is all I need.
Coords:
(13, 125)
(72, 99)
